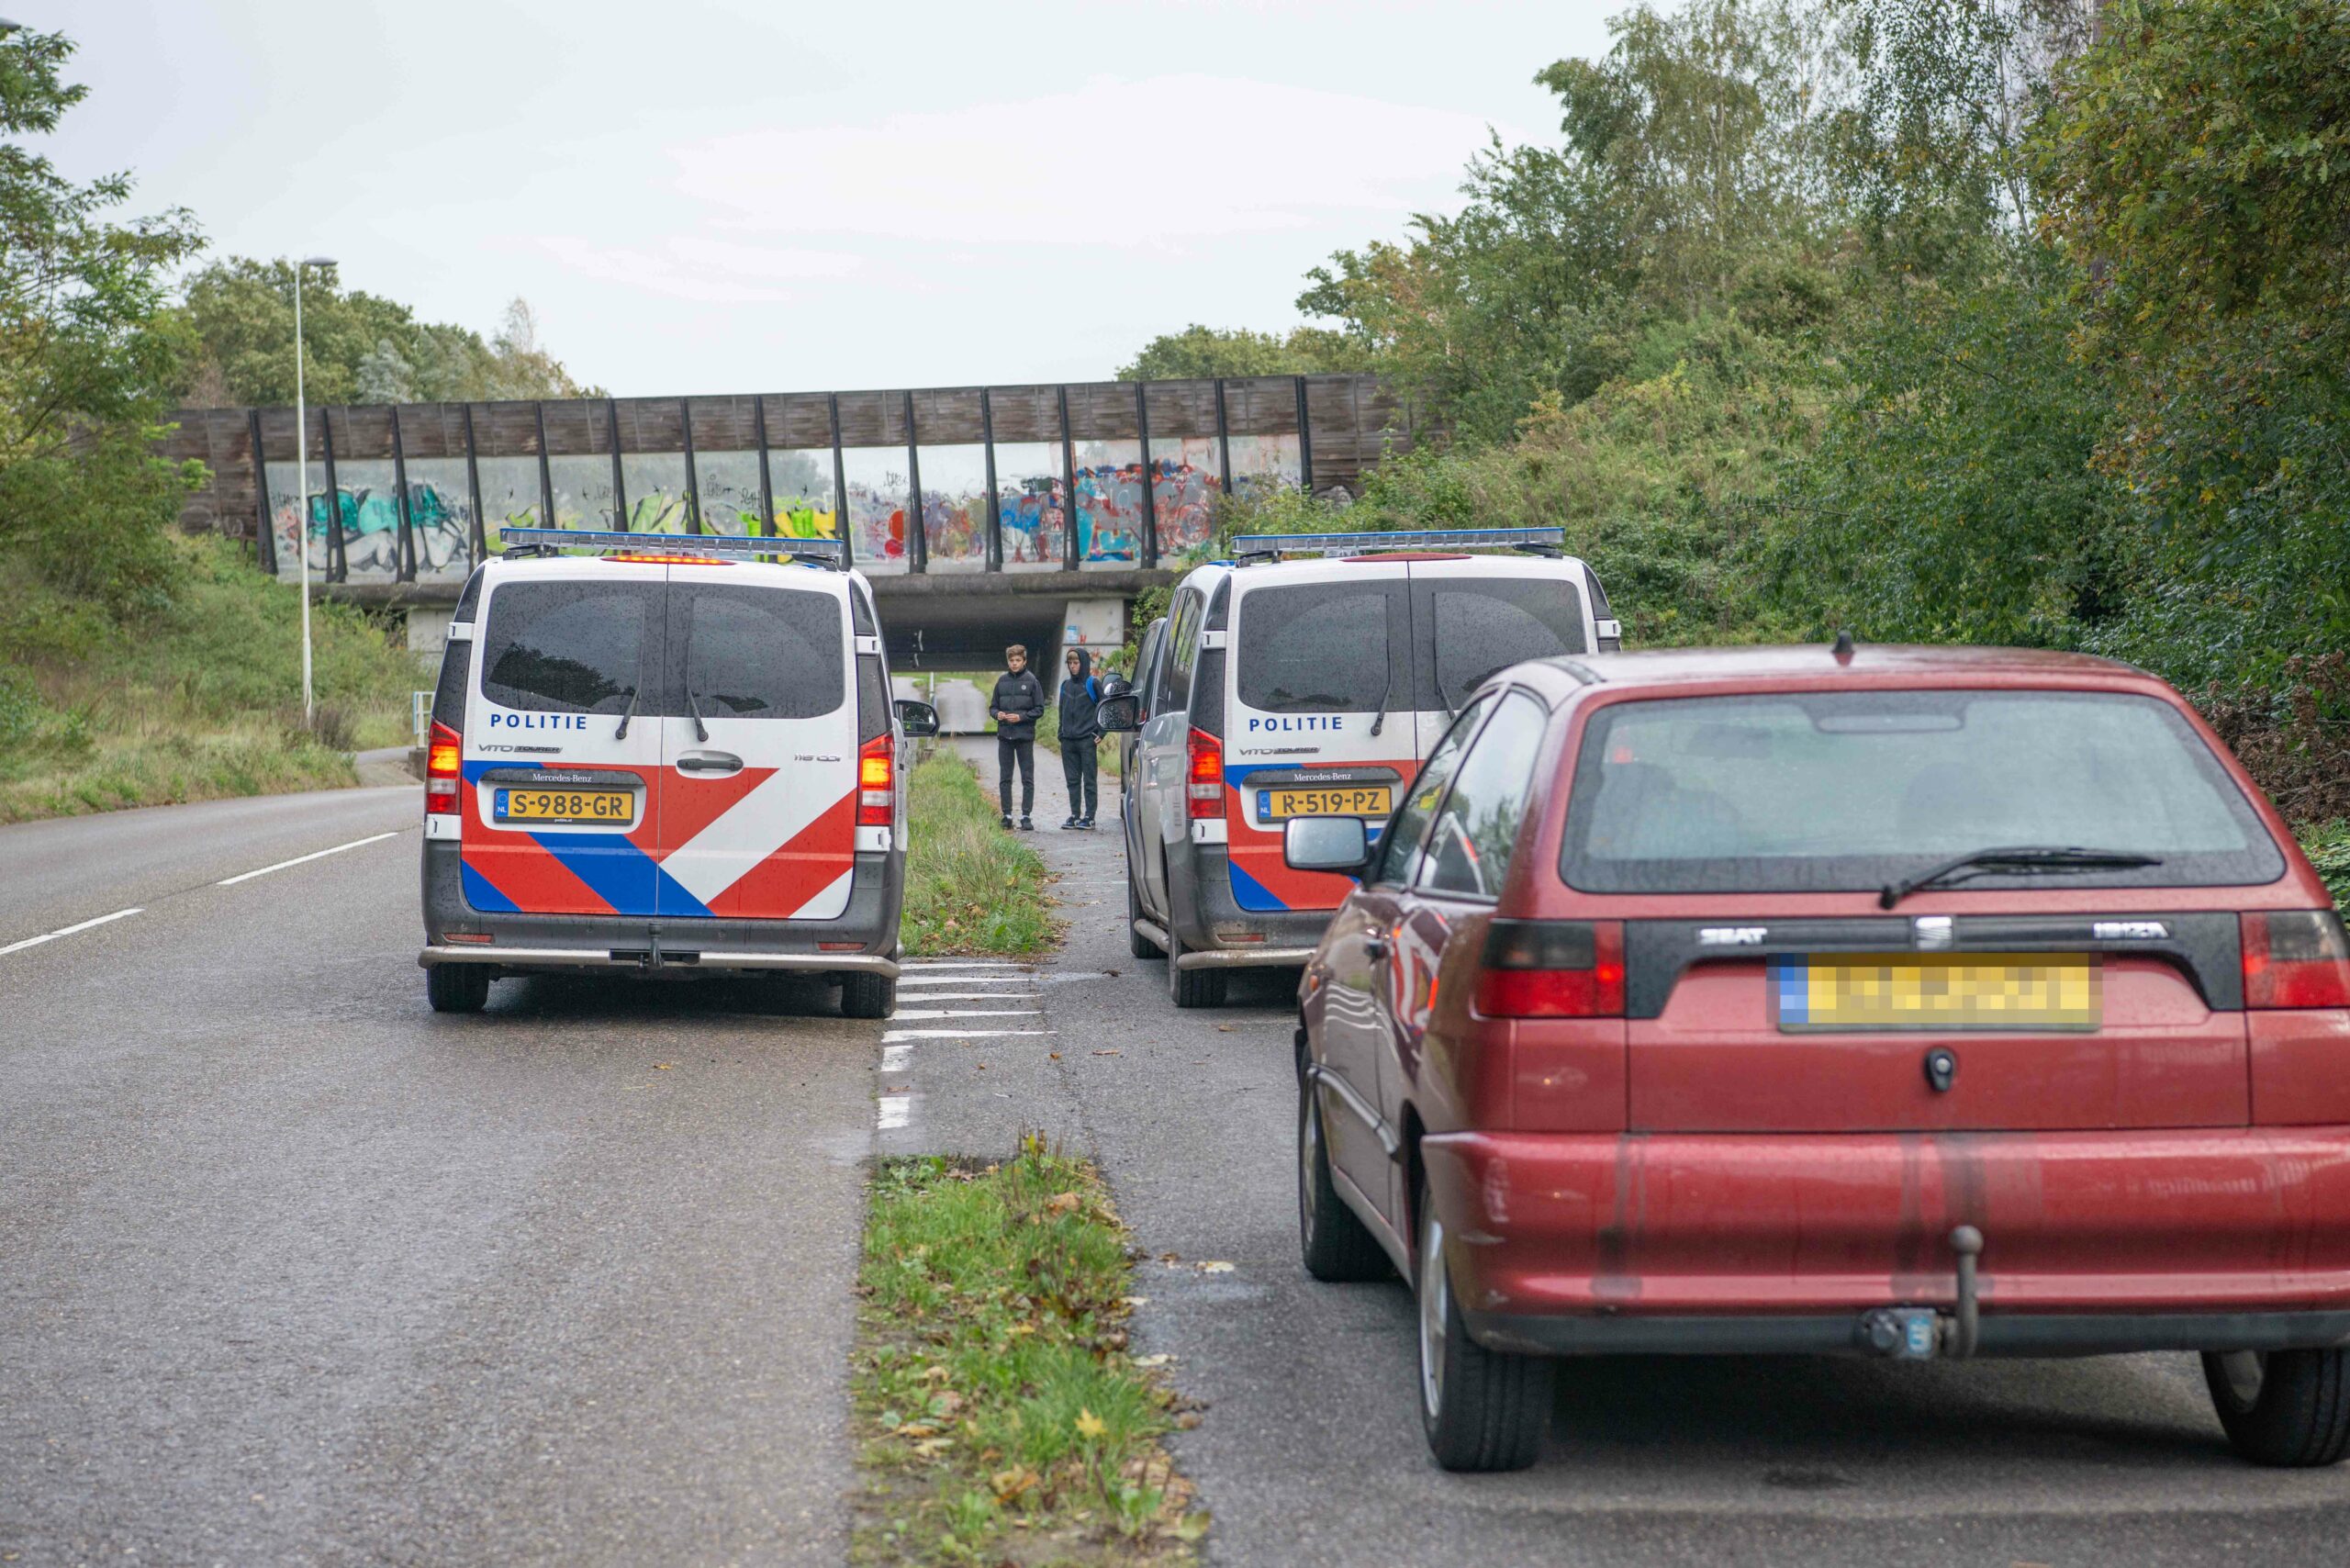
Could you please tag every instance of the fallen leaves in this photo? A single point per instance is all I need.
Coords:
(1110, 1053)
(1062, 1204)
(1089, 1425)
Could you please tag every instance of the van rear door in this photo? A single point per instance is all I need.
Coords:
(560, 798)
(1473, 615)
(759, 752)
(1315, 668)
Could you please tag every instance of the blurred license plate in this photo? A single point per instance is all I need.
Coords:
(1958, 990)
(1345, 800)
(565, 806)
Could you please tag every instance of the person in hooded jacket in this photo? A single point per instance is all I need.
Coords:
(1080, 731)
(1017, 703)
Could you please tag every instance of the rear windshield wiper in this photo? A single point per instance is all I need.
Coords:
(630, 712)
(701, 731)
(2026, 859)
(1379, 718)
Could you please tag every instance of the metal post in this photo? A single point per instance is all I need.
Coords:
(693, 480)
(1222, 441)
(546, 474)
(265, 541)
(840, 486)
(407, 570)
(1068, 489)
(338, 555)
(302, 460)
(619, 487)
(1304, 441)
(766, 480)
(917, 536)
(478, 532)
(1146, 551)
(994, 534)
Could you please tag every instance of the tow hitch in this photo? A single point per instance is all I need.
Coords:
(1922, 1333)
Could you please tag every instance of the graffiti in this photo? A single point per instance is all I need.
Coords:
(1110, 514)
(371, 530)
(878, 519)
(1031, 522)
(952, 526)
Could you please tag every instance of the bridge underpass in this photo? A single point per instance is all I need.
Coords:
(983, 515)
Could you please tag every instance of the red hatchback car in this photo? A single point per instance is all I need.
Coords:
(1906, 1002)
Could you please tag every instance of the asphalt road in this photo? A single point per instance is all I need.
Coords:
(293, 1271)
(1310, 1450)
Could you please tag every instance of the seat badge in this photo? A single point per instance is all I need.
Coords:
(1932, 930)
(1732, 936)
(2129, 931)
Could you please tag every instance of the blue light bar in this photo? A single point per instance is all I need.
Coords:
(717, 546)
(1552, 539)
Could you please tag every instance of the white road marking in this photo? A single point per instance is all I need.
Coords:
(68, 931)
(896, 1110)
(893, 1036)
(909, 965)
(897, 1058)
(967, 996)
(959, 976)
(299, 859)
(968, 1013)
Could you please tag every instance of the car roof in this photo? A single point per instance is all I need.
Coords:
(1253, 574)
(1865, 664)
(783, 574)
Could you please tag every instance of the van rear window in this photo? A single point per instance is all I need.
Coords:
(569, 646)
(758, 653)
(1851, 789)
(1315, 648)
(1478, 625)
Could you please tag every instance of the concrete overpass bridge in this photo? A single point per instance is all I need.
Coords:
(983, 514)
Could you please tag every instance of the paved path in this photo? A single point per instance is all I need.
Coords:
(1311, 1452)
(293, 1271)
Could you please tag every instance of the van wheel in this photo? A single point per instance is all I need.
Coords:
(1141, 946)
(2285, 1408)
(1190, 988)
(867, 995)
(1337, 1246)
(1483, 1410)
(457, 988)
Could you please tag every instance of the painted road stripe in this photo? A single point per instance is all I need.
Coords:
(893, 1035)
(896, 1109)
(927, 965)
(968, 1013)
(963, 977)
(897, 1058)
(67, 931)
(299, 859)
(967, 996)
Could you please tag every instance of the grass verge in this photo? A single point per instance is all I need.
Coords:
(999, 1416)
(195, 700)
(971, 887)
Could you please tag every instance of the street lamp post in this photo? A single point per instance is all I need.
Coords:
(302, 459)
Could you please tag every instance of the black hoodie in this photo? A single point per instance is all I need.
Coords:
(1078, 695)
(1023, 694)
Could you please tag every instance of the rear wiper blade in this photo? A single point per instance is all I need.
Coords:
(622, 733)
(2018, 859)
(1379, 718)
(701, 731)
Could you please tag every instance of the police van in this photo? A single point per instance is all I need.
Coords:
(677, 755)
(1287, 687)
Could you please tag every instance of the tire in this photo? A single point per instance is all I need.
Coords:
(867, 995)
(456, 987)
(1141, 946)
(2289, 1410)
(1190, 988)
(1337, 1246)
(1483, 1410)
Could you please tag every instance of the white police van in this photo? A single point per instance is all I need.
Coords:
(1290, 687)
(679, 754)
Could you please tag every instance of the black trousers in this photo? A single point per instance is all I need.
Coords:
(1024, 753)
(1083, 772)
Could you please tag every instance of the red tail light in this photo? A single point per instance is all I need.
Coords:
(2296, 959)
(877, 782)
(1552, 969)
(1206, 788)
(443, 763)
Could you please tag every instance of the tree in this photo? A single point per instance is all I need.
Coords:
(1205, 351)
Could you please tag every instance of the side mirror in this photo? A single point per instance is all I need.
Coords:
(917, 718)
(1326, 844)
(1611, 635)
(1115, 686)
(1119, 715)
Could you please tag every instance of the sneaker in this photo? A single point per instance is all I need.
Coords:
(1027, 826)
(1070, 823)
(1085, 824)
(1007, 824)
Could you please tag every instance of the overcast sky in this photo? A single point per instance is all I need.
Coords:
(703, 196)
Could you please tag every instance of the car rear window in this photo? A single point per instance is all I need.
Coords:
(1474, 626)
(1315, 648)
(569, 646)
(758, 653)
(1852, 789)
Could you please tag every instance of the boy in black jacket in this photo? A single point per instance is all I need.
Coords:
(1078, 731)
(1018, 702)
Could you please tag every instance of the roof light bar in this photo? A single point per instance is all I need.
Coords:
(706, 546)
(1542, 541)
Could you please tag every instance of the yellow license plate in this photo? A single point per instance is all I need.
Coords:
(1960, 991)
(1341, 800)
(566, 806)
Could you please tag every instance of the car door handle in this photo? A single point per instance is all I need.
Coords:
(708, 762)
